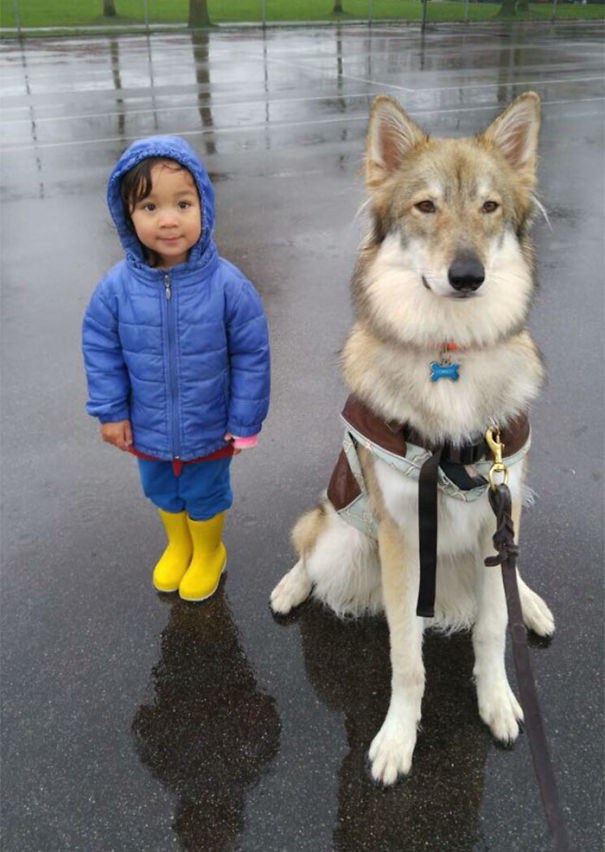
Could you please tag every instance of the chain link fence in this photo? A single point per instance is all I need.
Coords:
(35, 17)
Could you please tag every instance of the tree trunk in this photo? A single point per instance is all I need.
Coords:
(507, 9)
(198, 14)
(109, 9)
(337, 10)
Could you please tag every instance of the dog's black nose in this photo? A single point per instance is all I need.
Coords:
(466, 274)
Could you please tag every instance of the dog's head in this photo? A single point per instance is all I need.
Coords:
(449, 219)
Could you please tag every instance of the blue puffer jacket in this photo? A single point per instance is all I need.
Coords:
(181, 352)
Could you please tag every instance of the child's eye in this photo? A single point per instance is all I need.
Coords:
(148, 206)
(183, 205)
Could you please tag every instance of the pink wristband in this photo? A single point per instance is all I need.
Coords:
(245, 443)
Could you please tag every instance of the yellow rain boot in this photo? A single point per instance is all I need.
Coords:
(208, 560)
(175, 560)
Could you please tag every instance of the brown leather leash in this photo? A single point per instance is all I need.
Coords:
(507, 552)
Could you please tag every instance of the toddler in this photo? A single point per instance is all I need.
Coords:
(176, 354)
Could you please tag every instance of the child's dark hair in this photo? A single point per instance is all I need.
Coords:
(136, 185)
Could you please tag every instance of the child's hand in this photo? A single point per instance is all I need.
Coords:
(118, 434)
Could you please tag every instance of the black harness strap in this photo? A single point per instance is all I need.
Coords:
(452, 461)
(427, 532)
(504, 542)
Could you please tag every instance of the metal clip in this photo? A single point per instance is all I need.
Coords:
(492, 436)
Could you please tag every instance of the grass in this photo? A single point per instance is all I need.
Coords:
(71, 14)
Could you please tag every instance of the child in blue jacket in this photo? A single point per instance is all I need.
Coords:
(176, 354)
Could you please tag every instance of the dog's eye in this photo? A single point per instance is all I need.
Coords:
(426, 206)
(490, 206)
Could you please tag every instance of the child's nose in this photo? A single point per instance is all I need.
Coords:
(168, 218)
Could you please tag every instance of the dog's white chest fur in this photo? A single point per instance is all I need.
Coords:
(459, 523)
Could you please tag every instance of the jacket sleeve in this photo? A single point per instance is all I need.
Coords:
(106, 373)
(249, 357)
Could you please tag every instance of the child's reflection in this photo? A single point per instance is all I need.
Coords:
(210, 732)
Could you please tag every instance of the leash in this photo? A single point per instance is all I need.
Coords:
(507, 552)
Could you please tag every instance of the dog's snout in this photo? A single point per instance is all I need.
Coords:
(466, 274)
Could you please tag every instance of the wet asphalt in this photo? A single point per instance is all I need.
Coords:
(136, 722)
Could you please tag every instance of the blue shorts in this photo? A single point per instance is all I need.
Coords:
(202, 488)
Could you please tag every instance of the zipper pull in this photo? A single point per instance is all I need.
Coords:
(167, 290)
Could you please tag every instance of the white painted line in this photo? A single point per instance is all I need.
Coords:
(214, 104)
(263, 127)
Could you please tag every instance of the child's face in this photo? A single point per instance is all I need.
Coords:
(169, 220)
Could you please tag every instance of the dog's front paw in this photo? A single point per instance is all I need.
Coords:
(500, 710)
(293, 588)
(391, 752)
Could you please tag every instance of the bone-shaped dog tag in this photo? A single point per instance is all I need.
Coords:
(444, 371)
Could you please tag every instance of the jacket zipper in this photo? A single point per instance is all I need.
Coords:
(172, 377)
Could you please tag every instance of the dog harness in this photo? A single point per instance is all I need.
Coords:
(442, 469)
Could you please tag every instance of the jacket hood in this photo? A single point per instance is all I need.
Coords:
(172, 148)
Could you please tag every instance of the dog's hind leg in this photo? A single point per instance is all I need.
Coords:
(536, 614)
(393, 746)
(293, 588)
(336, 561)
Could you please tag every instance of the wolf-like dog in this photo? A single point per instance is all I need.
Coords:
(438, 353)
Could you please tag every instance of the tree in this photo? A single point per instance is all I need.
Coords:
(508, 9)
(337, 10)
(109, 9)
(198, 14)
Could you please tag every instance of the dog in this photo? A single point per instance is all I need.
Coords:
(439, 352)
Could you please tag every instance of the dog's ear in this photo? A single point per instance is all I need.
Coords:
(391, 135)
(515, 133)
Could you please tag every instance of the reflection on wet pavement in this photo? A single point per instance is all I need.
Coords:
(354, 680)
(209, 732)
